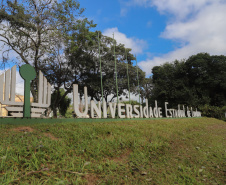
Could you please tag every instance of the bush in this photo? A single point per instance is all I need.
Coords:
(132, 102)
(69, 113)
(213, 111)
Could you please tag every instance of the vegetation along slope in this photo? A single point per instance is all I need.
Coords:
(107, 151)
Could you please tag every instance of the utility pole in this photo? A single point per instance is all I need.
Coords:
(128, 75)
(138, 79)
(100, 68)
(116, 74)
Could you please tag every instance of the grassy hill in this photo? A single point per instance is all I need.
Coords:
(108, 151)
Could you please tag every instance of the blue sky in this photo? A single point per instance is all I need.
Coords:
(141, 24)
(161, 31)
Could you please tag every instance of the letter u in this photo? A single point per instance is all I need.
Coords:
(76, 102)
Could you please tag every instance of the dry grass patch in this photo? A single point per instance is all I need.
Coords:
(217, 127)
(23, 129)
(123, 157)
(91, 179)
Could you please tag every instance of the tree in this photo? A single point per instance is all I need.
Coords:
(146, 88)
(199, 80)
(79, 63)
(52, 36)
(85, 60)
(63, 104)
(33, 29)
(207, 78)
(170, 84)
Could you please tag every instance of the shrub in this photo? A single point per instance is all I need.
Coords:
(213, 111)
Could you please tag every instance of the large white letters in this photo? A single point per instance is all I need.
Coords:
(96, 109)
(129, 111)
(135, 108)
(145, 112)
(112, 107)
(121, 110)
(76, 103)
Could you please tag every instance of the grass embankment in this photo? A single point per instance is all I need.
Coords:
(160, 151)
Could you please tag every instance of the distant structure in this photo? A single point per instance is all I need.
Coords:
(11, 105)
(18, 98)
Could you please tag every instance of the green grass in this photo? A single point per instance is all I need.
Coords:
(108, 151)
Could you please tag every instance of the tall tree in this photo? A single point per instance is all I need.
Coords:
(170, 83)
(53, 36)
(32, 29)
(79, 64)
(199, 80)
(58, 67)
(146, 88)
(207, 78)
(85, 60)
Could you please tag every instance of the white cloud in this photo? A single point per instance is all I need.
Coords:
(123, 11)
(149, 24)
(198, 26)
(179, 8)
(137, 45)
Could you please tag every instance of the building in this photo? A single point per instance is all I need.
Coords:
(18, 98)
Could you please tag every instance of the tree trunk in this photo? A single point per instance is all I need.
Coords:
(54, 112)
(34, 87)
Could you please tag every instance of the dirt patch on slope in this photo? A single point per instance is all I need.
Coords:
(23, 129)
(122, 158)
(91, 179)
(217, 127)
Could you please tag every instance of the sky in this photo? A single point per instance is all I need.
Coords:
(160, 31)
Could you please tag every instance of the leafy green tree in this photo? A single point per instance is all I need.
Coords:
(171, 84)
(207, 78)
(85, 60)
(146, 88)
(199, 80)
(58, 67)
(35, 29)
(79, 64)
(54, 37)
(39, 31)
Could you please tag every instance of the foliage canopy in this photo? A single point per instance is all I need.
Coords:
(199, 80)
